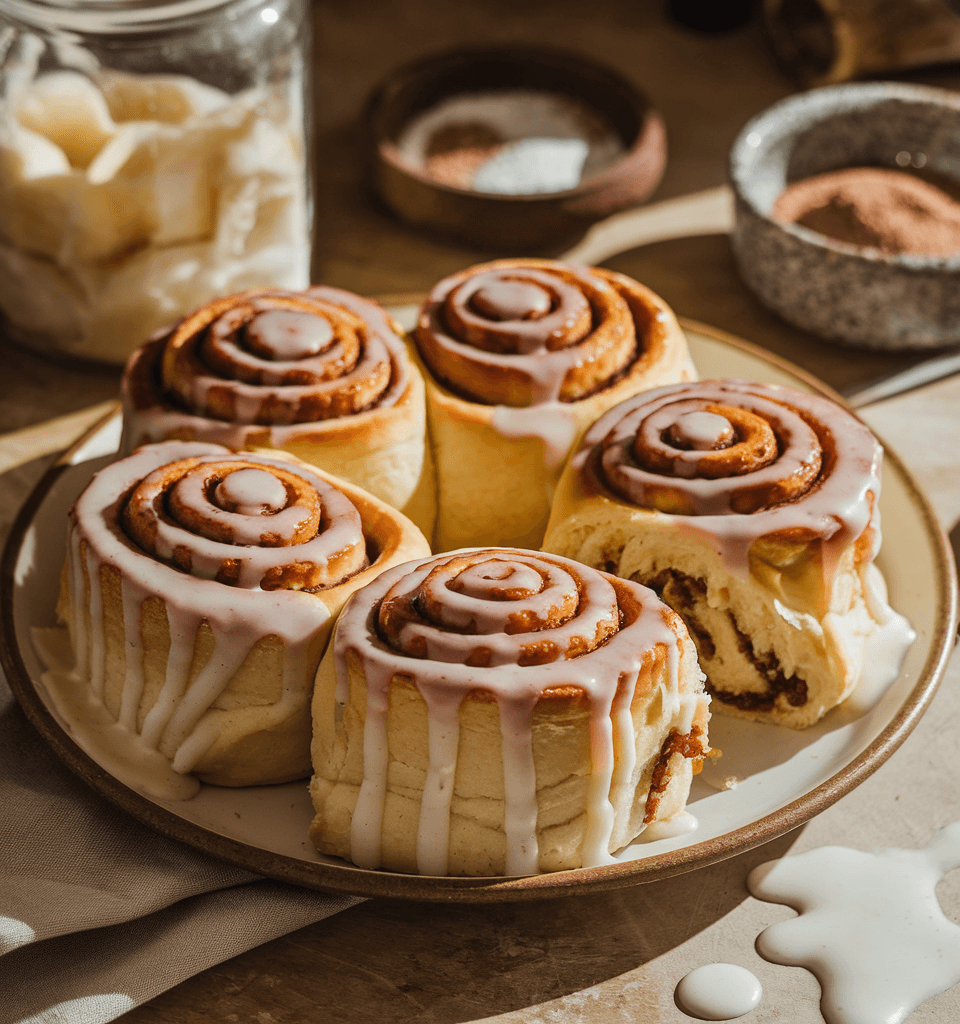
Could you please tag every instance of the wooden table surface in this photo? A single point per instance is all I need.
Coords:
(577, 958)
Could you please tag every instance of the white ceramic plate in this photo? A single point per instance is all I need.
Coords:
(786, 777)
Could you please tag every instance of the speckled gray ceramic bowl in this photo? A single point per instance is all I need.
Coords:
(844, 292)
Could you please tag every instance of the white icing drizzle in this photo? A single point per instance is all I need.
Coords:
(532, 334)
(133, 679)
(472, 598)
(702, 431)
(97, 647)
(236, 617)
(623, 737)
(552, 422)
(869, 926)
(837, 509)
(520, 786)
(78, 608)
(365, 830)
(512, 300)
(679, 825)
(251, 492)
(719, 992)
(153, 411)
(286, 335)
(334, 547)
(433, 836)
(117, 749)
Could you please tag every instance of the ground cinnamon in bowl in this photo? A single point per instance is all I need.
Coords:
(885, 209)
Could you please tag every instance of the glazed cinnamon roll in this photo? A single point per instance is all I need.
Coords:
(753, 510)
(520, 357)
(200, 591)
(321, 374)
(501, 711)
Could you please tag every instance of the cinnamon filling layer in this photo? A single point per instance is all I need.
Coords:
(501, 607)
(714, 448)
(687, 596)
(690, 745)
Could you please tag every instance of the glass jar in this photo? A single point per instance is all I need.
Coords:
(152, 156)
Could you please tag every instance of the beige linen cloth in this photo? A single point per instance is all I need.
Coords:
(98, 913)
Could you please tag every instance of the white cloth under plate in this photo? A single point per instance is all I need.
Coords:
(98, 913)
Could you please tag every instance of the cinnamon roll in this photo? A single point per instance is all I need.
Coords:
(520, 357)
(321, 374)
(500, 712)
(200, 591)
(753, 510)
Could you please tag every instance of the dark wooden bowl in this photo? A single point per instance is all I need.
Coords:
(513, 223)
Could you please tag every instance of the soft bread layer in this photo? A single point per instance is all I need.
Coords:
(497, 467)
(257, 729)
(775, 642)
(490, 489)
(561, 751)
(258, 737)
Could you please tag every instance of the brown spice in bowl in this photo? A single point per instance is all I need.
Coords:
(874, 207)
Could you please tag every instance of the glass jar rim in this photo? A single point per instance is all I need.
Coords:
(112, 15)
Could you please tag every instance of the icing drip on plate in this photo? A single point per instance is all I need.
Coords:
(719, 992)
(869, 926)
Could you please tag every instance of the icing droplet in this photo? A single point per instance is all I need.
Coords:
(702, 432)
(869, 926)
(251, 492)
(718, 992)
(512, 300)
(287, 334)
(678, 825)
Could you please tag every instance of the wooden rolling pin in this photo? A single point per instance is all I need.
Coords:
(819, 42)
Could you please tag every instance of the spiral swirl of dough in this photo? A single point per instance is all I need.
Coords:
(718, 447)
(248, 521)
(499, 607)
(522, 332)
(276, 358)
